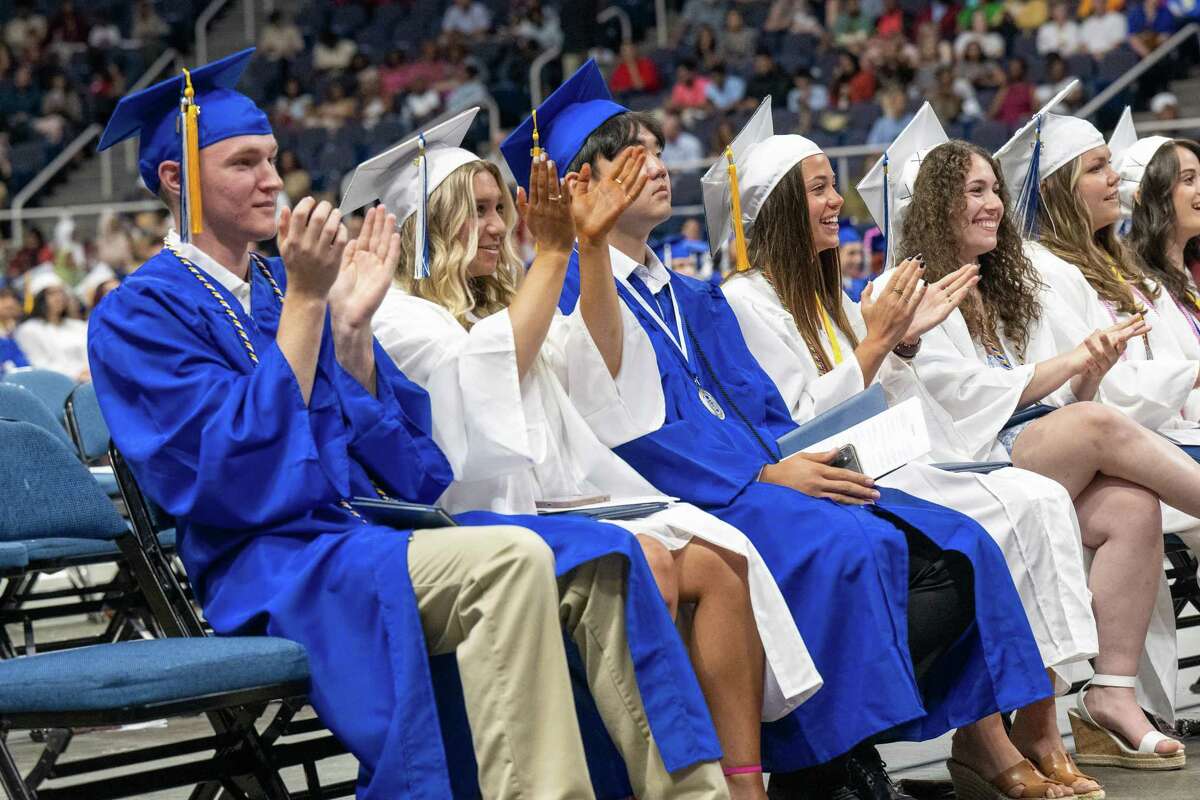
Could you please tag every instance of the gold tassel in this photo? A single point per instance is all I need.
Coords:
(537, 150)
(29, 298)
(741, 258)
(191, 141)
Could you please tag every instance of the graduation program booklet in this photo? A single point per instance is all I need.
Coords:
(885, 441)
(621, 508)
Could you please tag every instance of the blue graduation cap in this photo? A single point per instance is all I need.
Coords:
(562, 123)
(167, 117)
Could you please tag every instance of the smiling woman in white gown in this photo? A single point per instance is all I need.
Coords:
(516, 386)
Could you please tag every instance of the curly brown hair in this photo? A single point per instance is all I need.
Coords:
(1008, 284)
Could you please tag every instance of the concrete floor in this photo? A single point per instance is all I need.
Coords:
(914, 760)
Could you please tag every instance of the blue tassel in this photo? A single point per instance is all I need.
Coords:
(887, 213)
(1030, 191)
(422, 266)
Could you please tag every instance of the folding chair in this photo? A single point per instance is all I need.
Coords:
(176, 617)
(86, 426)
(51, 387)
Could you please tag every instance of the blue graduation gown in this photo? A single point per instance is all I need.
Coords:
(254, 477)
(843, 569)
(11, 356)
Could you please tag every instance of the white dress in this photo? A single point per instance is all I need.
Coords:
(1029, 516)
(61, 347)
(981, 397)
(514, 441)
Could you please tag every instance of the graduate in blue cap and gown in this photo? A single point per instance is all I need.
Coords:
(252, 402)
(890, 592)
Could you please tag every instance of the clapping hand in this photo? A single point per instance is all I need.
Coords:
(940, 299)
(311, 241)
(546, 209)
(890, 316)
(368, 265)
(596, 205)
(1100, 351)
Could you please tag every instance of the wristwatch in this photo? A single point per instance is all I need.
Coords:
(907, 351)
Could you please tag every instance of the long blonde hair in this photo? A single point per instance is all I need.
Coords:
(449, 285)
(1065, 229)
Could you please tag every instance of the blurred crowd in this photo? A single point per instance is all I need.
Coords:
(343, 79)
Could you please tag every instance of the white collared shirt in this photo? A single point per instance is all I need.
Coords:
(652, 273)
(237, 287)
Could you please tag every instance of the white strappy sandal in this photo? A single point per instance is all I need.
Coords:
(1098, 746)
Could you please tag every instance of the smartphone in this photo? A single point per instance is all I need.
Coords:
(847, 458)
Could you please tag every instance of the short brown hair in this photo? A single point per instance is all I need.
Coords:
(615, 135)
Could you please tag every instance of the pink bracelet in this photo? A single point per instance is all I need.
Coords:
(746, 770)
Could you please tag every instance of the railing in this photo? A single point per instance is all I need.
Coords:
(622, 17)
(204, 20)
(535, 73)
(660, 22)
(150, 75)
(49, 171)
(81, 210)
(1160, 52)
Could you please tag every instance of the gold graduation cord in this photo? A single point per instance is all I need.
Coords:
(741, 258)
(191, 143)
(830, 333)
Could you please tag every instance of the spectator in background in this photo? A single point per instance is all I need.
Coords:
(11, 356)
(932, 53)
(297, 183)
(332, 54)
(695, 15)
(540, 26)
(335, 110)
(942, 16)
(737, 42)
(853, 26)
(61, 104)
(114, 247)
(891, 21)
(766, 79)
(423, 102)
(706, 52)
(805, 94)
(1102, 29)
(690, 89)
(1028, 15)
(851, 79)
(679, 145)
(852, 259)
(792, 16)
(104, 33)
(980, 72)
(20, 103)
(993, 13)
(888, 125)
(26, 27)
(292, 108)
(471, 92)
(1060, 34)
(635, 74)
(147, 26)
(281, 38)
(1013, 103)
(1056, 79)
(989, 41)
(50, 338)
(722, 135)
(467, 18)
(725, 90)
(1164, 106)
(947, 97)
(34, 252)
(68, 26)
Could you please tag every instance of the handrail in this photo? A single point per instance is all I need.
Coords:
(535, 73)
(1161, 125)
(1160, 52)
(493, 115)
(152, 72)
(202, 22)
(660, 22)
(49, 171)
(82, 210)
(622, 18)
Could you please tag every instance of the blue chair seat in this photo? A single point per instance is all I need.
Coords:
(55, 548)
(13, 555)
(107, 481)
(137, 673)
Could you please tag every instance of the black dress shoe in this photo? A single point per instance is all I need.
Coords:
(868, 776)
(823, 782)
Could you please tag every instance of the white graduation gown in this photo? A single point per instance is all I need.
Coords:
(955, 370)
(1029, 516)
(514, 441)
(61, 347)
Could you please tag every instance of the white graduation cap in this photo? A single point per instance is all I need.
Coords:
(887, 188)
(404, 176)
(1130, 157)
(736, 188)
(38, 280)
(1040, 148)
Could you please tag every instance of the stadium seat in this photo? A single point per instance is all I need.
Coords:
(85, 423)
(51, 387)
(19, 403)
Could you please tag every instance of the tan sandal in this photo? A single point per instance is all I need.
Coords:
(1059, 767)
(970, 785)
(1098, 746)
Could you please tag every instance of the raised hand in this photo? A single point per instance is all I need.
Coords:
(889, 316)
(546, 209)
(810, 474)
(596, 205)
(940, 299)
(368, 266)
(311, 240)
(1100, 351)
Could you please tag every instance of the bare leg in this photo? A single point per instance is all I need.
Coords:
(726, 654)
(1073, 444)
(662, 565)
(985, 748)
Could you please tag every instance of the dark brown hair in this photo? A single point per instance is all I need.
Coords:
(1153, 230)
(780, 243)
(1008, 283)
(615, 135)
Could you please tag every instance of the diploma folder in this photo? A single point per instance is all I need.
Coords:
(625, 508)
(402, 516)
(846, 414)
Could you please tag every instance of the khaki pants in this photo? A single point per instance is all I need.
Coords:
(489, 593)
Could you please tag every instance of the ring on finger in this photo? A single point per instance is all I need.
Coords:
(555, 197)
(617, 181)
(898, 291)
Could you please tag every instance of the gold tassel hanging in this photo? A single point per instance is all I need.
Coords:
(191, 158)
(741, 258)
(537, 150)
(29, 298)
